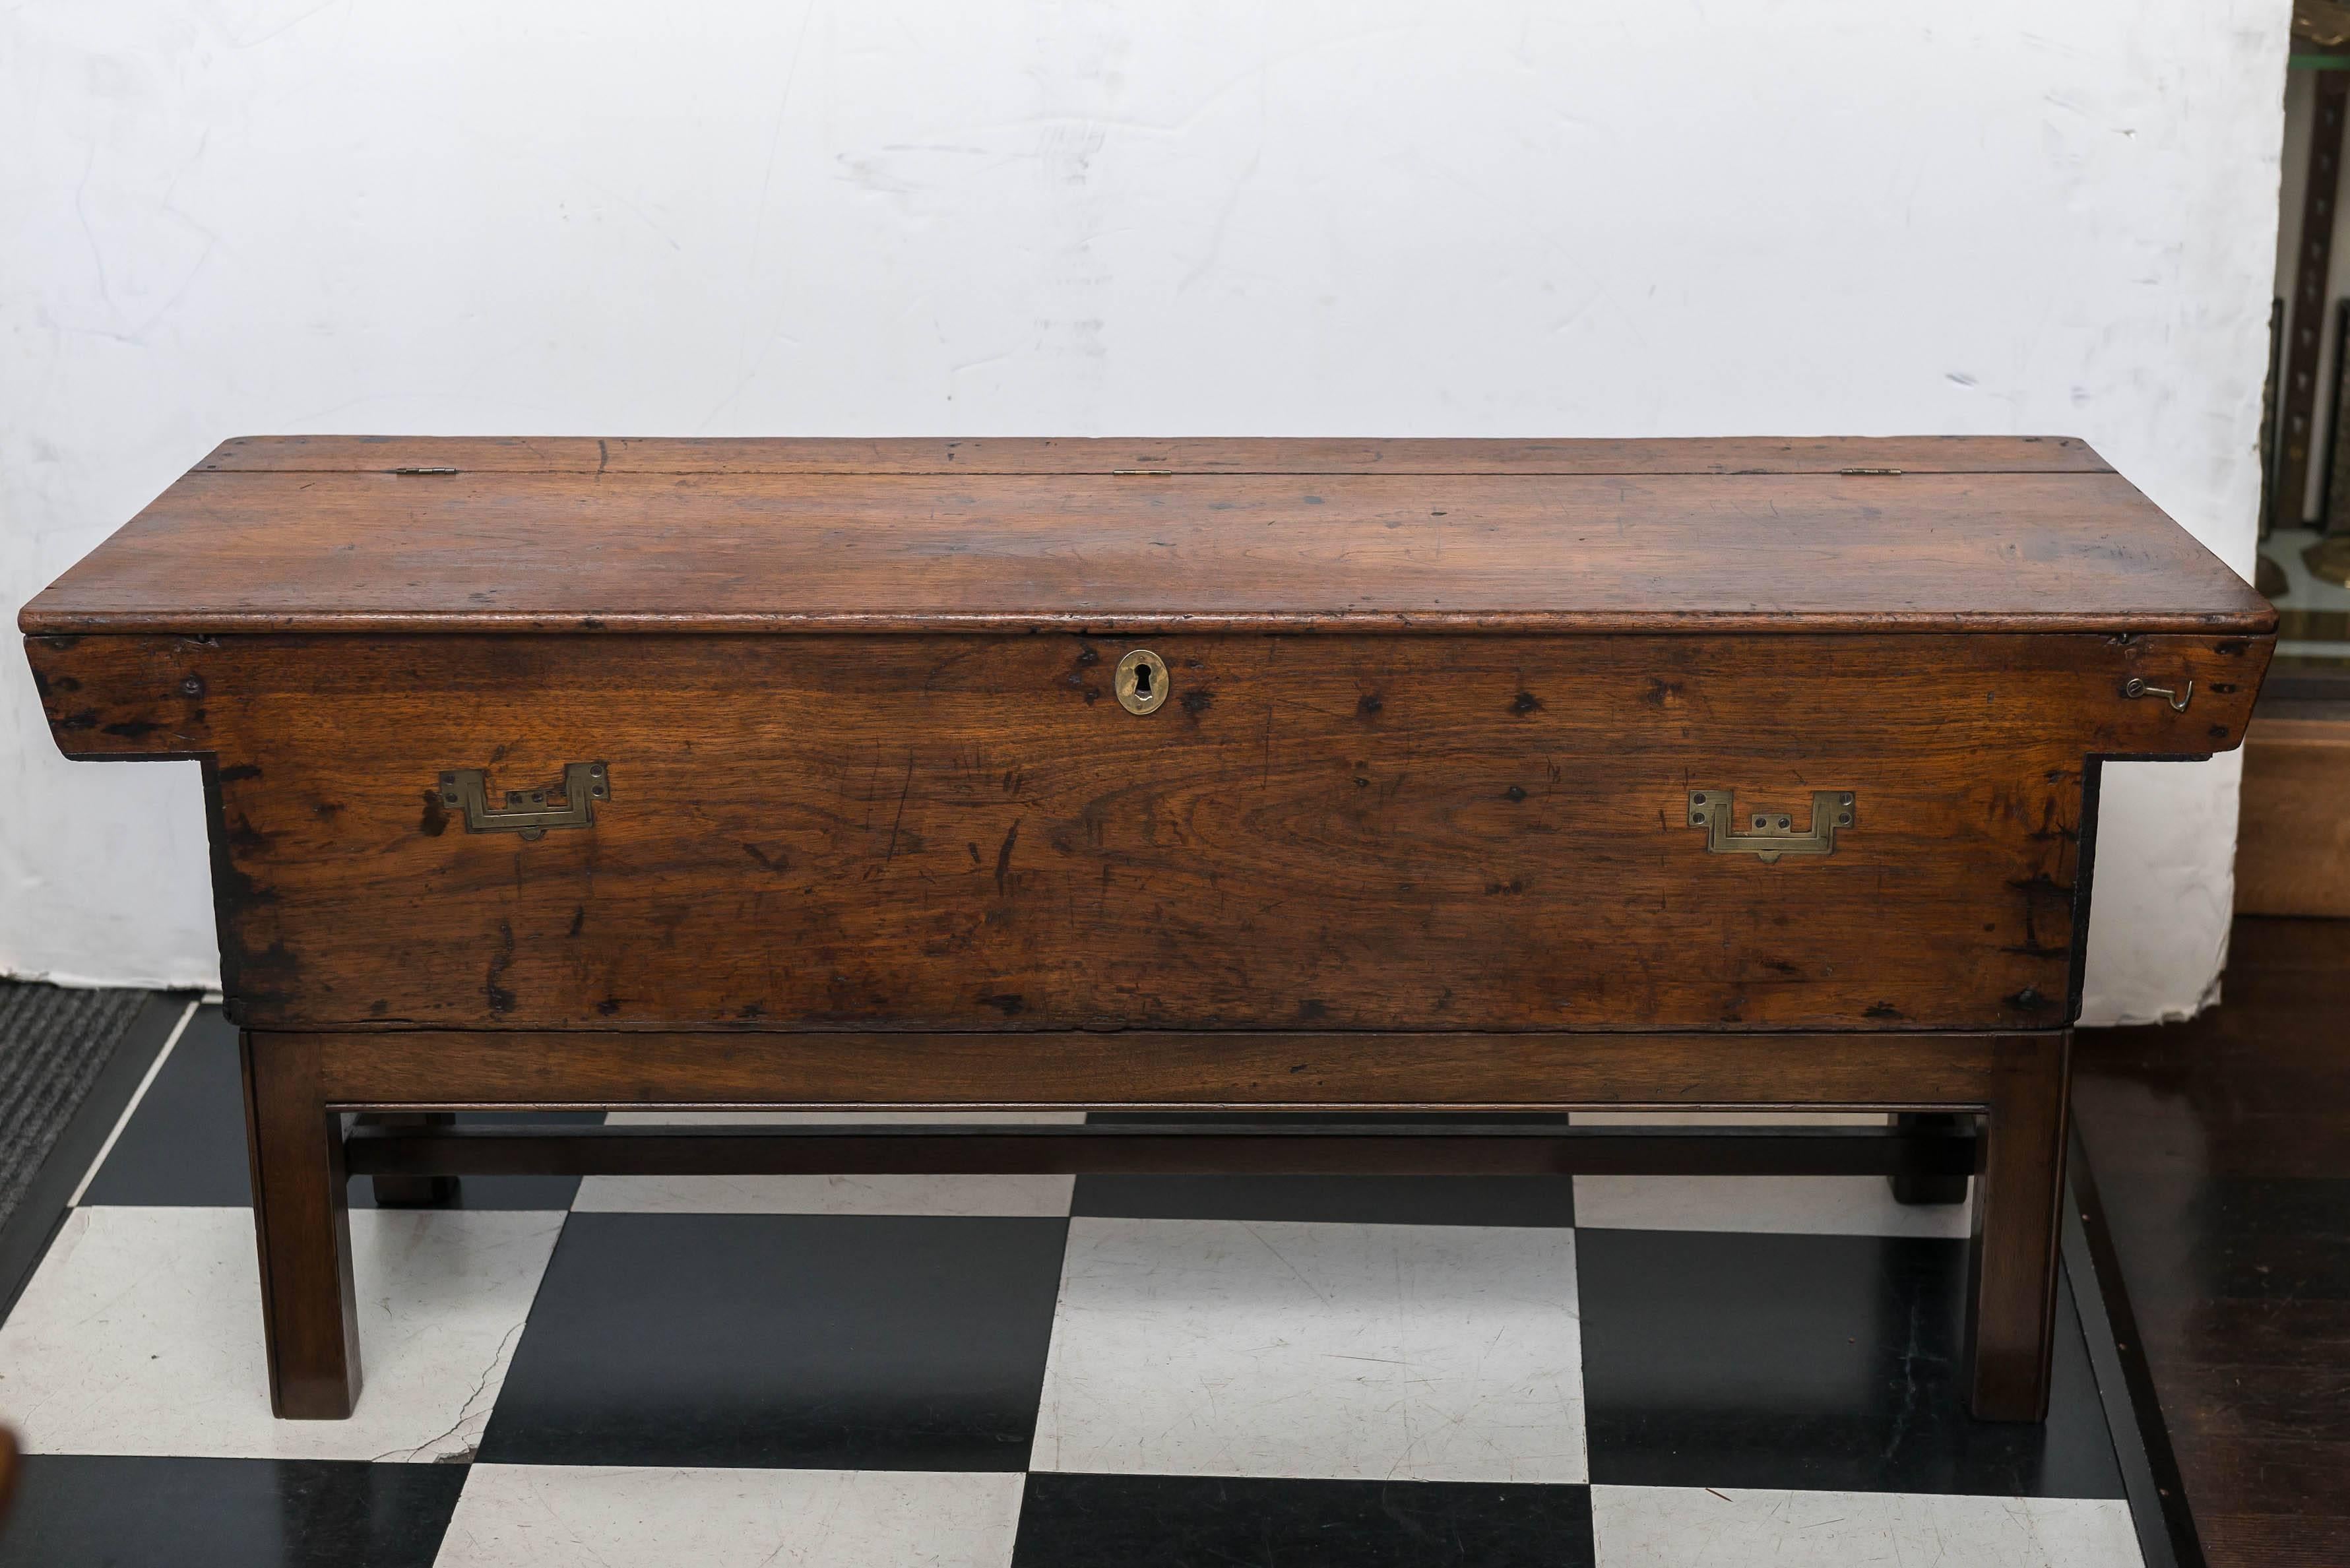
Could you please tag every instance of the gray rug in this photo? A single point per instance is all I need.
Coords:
(54, 1043)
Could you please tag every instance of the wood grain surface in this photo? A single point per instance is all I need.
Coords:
(1111, 455)
(1330, 832)
(1391, 537)
(1239, 1070)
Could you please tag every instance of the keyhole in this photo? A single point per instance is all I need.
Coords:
(1140, 681)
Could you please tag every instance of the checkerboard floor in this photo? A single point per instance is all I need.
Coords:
(1034, 1370)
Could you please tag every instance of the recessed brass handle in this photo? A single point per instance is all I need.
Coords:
(1773, 833)
(1140, 681)
(527, 812)
(2178, 699)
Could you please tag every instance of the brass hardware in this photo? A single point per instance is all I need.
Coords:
(2134, 687)
(1774, 833)
(1140, 681)
(527, 812)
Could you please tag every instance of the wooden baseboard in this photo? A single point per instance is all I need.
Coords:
(2292, 849)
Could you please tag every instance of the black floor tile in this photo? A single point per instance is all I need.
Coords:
(184, 1145)
(1811, 1362)
(1530, 1201)
(825, 1341)
(73, 1512)
(1178, 1521)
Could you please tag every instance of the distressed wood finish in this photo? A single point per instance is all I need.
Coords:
(1413, 830)
(1551, 543)
(1355, 832)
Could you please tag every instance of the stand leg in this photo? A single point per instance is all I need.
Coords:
(302, 1218)
(1919, 1190)
(2011, 1304)
(412, 1191)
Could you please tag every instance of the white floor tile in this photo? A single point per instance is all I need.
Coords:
(1822, 1205)
(540, 1516)
(1351, 1352)
(1017, 1196)
(140, 1334)
(1684, 1527)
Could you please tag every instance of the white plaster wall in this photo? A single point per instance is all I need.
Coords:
(1470, 217)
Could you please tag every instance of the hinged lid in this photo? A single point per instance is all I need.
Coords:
(339, 534)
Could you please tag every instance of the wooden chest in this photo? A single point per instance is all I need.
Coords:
(1304, 773)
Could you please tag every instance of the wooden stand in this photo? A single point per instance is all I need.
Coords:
(297, 1085)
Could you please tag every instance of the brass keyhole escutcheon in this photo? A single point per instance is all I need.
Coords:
(1140, 681)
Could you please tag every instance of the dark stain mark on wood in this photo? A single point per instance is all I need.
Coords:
(1368, 708)
(1513, 793)
(779, 863)
(2029, 1000)
(1661, 691)
(501, 1000)
(578, 920)
(1009, 1003)
(2044, 896)
(1883, 1010)
(1525, 703)
(749, 1010)
(1513, 886)
(235, 890)
(436, 817)
(608, 1006)
(1199, 700)
(238, 772)
(265, 980)
(133, 729)
(1313, 1010)
(897, 823)
(1004, 857)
